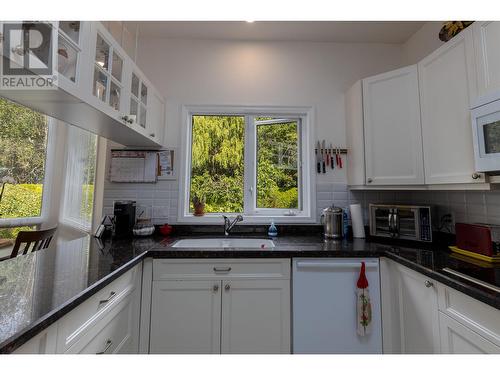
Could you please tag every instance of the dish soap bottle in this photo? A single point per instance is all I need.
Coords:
(273, 231)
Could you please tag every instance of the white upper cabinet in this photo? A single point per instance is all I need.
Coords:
(447, 86)
(487, 55)
(93, 86)
(392, 131)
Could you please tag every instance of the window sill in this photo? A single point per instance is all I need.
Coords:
(20, 222)
(247, 219)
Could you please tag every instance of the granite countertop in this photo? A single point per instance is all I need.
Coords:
(39, 288)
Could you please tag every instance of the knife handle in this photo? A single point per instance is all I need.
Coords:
(324, 169)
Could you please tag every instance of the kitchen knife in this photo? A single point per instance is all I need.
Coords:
(318, 160)
(323, 150)
(331, 157)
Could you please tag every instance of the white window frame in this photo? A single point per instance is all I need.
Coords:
(251, 214)
(47, 184)
(64, 216)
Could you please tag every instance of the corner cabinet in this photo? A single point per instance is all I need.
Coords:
(220, 306)
(392, 132)
(409, 311)
(447, 88)
(421, 315)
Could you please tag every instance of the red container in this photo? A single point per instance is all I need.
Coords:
(166, 229)
(475, 238)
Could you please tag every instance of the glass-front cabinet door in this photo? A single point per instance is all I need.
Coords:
(138, 100)
(71, 45)
(107, 79)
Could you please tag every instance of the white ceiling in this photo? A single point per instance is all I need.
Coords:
(324, 31)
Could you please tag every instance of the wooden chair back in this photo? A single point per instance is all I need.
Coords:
(33, 239)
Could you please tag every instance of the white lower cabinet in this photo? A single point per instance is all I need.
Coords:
(255, 316)
(105, 325)
(230, 310)
(421, 315)
(43, 343)
(185, 316)
(458, 339)
(410, 311)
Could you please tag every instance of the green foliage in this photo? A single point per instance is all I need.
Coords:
(217, 174)
(277, 174)
(22, 200)
(217, 162)
(23, 138)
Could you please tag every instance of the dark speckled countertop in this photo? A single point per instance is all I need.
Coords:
(37, 289)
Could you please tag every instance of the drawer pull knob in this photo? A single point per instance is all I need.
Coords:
(475, 176)
(227, 287)
(108, 345)
(428, 284)
(111, 296)
(216, 287)
(222, 270)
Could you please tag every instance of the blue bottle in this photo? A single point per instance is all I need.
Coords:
(273, 231)
(345, 217)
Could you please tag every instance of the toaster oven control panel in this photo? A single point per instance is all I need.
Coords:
(425, 224)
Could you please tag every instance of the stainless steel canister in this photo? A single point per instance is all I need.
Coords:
(333, 222)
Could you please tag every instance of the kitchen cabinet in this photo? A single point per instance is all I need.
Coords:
(447, 86)
(93, 87)
(220, 306)
(392, 130)
(476, 322)
(255, 316)
(43, 343)
(458, 339)
(107, 322)
(410, 311)
(185, 317)
(487, 56)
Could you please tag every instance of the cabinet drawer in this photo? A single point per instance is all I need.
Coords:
(110, 335)
(458, 339)
(475, 315)
(79, 321)
(208, 269)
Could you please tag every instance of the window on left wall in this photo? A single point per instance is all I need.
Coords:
(24, 145)
(78, 203)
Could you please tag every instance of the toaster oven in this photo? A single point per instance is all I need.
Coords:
(401, 221)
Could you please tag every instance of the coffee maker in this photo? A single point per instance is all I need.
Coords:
(124, 212)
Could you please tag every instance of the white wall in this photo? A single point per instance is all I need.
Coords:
(422, 43)
(213, 72)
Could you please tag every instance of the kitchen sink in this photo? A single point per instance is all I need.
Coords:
(215, 243)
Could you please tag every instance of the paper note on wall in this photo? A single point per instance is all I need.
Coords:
(166, 160)
(133, 166)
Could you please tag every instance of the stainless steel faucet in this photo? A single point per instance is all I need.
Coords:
(228, 224)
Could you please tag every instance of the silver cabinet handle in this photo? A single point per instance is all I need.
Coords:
(111, 296)
(428, 284)
(222, 270)
(108, 345)
(370, 180)
(227, 287)
(475, 176)
(216, 287)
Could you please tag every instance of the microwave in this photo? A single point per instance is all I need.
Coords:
(401, 221)
(486, 134)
